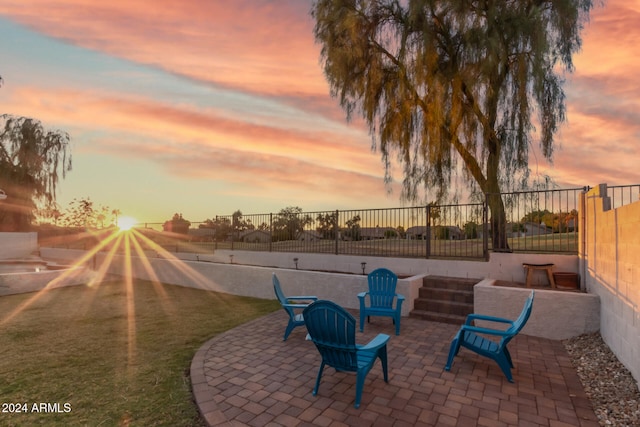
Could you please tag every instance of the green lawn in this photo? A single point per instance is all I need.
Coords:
(557, 242)
(110, 355)
(436, 248)
(468, 248)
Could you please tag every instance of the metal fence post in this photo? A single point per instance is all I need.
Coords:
(485, 228)
(271, 232)
(427, 233)
(336, 229)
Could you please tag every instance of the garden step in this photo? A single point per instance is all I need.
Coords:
(438, 317)
(443, 282)
(445, 294)
(444, 299)
(445, 307)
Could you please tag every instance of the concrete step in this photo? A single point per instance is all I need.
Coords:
(444, 299)
(444, 307)
(437, 317)
(443, 294)
(451, 283)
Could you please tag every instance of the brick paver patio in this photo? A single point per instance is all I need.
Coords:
(249, 376)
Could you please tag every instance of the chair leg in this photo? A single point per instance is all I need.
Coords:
(382, 354)
(315, 389)
(287, 331)
(453, 351)
(360, 376)
(508, 355)
(361, 320)
(503, 363)
(397, 323)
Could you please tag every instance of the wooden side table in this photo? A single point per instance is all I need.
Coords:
(530, 268)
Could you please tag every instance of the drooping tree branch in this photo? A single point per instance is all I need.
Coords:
(441, 81)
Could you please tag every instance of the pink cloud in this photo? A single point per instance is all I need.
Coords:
(257, 46)
(267, 48)
(610, 40)
(195, 143)
(599, 142)
(255, 173)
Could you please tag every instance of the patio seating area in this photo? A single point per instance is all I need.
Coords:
(249, 376)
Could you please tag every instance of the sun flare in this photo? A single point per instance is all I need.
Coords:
(126, 223)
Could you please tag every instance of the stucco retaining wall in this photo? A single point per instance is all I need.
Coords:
(555, 314)
(17, 245)
(18, 283)
(251, 280)
(255, 281)
(501, 266)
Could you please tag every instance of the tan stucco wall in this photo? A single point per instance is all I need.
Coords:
(610, 257)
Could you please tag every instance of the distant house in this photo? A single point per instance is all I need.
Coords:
(202, 234)
(527, 229)
(417, 232)
(255, 236)
(309, 236)
(441, 232)
(375, 233)
(533, 229)
(447, 232)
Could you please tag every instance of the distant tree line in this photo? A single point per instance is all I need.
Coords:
(291, 222)
(81, 212)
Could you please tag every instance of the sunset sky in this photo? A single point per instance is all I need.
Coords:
(204, 107)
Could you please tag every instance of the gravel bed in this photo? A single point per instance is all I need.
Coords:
(608, 384)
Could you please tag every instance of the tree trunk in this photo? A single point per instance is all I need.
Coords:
(498, 223)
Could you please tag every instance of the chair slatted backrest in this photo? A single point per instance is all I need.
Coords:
(519, 323)
(333, 331)
(382, 287)
(278, 290)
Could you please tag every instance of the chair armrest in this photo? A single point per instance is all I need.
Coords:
(496, 332)
(400, 297)
(303, 299)
(295, 305)
(362, 294)
(379, 341)
(472, 317)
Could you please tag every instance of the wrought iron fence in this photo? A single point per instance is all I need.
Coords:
(541, 221)
(534, 221)
(397, 232)
(621, 195)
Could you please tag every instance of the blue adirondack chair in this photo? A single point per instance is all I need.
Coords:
(468, 337)
(291, 307)
(382, 293)
(333, 331)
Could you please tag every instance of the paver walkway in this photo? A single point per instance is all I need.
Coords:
(249, 376)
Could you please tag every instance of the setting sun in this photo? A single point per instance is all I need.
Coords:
(126, 223)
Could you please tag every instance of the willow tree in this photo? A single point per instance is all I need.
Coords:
(31, 162)
(453, 86)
